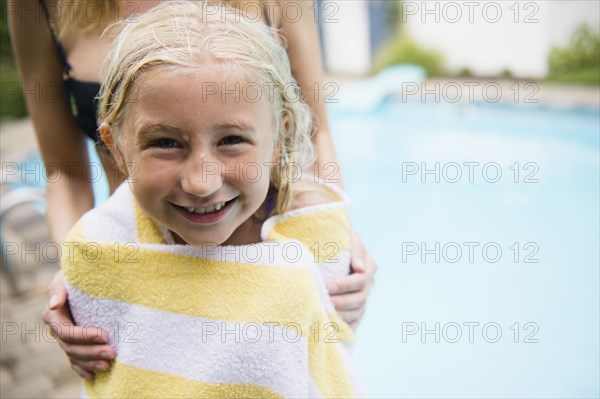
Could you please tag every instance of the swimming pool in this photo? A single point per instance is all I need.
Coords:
(484, 220)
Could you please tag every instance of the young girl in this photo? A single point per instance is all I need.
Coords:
(208, 266)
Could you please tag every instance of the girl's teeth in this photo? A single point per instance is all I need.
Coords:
(215, 207)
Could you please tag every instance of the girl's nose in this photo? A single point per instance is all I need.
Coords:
(202, 176)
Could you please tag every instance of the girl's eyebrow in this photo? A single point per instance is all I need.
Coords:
(240, 125)
(149, 128)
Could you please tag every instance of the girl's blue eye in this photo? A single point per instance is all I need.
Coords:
(232, 140)
(164, 143)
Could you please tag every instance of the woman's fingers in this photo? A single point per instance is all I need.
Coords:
(370, 267)
(351, 283)
(88, 352)
(59, 319)
(357, 281)
(82, 373)
(91, 366)
(87, 359)
(85, 346)
(359, 253)
(57, 293)
(350, 301)
(349, 294)
(63, 328)
(353, 317)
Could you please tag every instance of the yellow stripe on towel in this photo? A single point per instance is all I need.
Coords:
(324, 232)
(223, 285)
(132, 382)
(147, 229)
(328, 370)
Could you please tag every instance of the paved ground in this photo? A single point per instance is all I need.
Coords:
(31, 364)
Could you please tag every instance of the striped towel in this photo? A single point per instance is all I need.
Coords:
(214, 321)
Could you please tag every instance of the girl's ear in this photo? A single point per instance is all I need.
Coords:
(285, 126)
(107, 137)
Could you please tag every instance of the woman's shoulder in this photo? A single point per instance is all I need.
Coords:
(308, 193)
(319, 213)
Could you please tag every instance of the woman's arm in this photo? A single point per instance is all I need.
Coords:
(69, 193)
(349, 294)
(304, 51)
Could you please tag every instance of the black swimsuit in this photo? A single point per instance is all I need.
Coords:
(80, 95)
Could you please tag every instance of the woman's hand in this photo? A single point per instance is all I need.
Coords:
(349, 294)
(86, 347)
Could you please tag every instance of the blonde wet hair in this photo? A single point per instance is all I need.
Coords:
(181, 34)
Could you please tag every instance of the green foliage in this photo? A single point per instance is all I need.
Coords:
(394, 15)
(12, 100)
(579, 62)
(465, 73)
(506, 74)
(403, 50)
(5, 49)
(582, 76)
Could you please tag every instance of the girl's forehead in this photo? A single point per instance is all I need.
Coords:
(200, 97)
(232, 82)
(212, 80)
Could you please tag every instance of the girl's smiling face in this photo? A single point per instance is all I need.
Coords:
(198, 159)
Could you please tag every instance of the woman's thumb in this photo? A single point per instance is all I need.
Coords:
(57, 293)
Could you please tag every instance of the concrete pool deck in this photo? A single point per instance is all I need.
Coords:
(33, 366)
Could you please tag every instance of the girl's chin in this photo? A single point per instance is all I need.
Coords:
(194, 241)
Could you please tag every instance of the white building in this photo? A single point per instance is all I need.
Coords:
(484, 36)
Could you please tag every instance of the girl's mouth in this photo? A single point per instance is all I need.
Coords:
(210, 214)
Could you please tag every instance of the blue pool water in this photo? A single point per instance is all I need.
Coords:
(514, 224)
